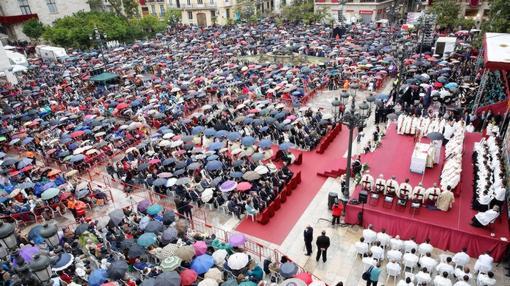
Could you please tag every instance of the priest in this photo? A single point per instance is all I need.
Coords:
(483, 219)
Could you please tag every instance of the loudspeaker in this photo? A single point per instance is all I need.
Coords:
(363, 197)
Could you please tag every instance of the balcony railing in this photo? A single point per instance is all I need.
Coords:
(205, 5)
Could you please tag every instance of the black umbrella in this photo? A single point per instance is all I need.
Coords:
(127, 244)
(81, 228)
(435, 136)
(136, 251)
(117, 270)
(168, 217)
(154, 227)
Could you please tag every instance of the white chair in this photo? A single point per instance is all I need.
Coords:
(252, 215)
(410, 264)
(393, 274)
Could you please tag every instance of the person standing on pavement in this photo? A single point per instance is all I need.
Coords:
(337, 213)
(374, 275)
(322, 246)
(308, 236)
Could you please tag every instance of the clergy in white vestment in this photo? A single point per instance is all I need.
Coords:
(400, 122)
(484, 263)
(428, 262)
(431, 194)
(486, 279)
(425, 247)
(405, 190)
(423, 277)
(369, 234)
(419, 193)
(391, 187)
(459, 273)
(405, 282)
(461, 257)
(442, 280)
(396, 243)
(483, 219)
(383, 237)
(380, 184)
(367, 181)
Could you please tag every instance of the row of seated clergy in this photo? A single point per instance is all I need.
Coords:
(405, 191)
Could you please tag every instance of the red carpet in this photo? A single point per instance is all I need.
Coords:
(289, 213)
(447, 230)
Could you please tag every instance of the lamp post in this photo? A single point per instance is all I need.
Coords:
(49, 233)
(100, 39)
(336, 103)
(40, 267)
(7, 238)
(352, 118)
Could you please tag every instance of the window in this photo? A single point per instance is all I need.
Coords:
(213, 14)
(211, 2)
(52, 6)
(161, 9)
(25, 8)
(200, 2)
(153, 10)
(190, 15)
(189, 2)
(227, 12)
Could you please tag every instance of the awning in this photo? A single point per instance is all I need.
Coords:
(9, 20)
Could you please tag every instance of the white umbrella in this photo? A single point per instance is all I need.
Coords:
(261, 170)
(237, 261)
(176, 143)
(207, 195)
(219, 256)
(165, 143)
(170, 182)
(215, 274)
(327, 116)
(168, 135)
(208, 282)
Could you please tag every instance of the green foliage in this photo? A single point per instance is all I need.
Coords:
(447, 12)
(499, 17)
(173, 16)
(33, 29)
(74, 31)
(246, 10)
(303, 12)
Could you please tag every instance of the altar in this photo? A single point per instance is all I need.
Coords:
(424, 155)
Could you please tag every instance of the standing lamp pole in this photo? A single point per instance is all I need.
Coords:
(98, 38)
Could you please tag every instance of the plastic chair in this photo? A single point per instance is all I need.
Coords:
(393, 274)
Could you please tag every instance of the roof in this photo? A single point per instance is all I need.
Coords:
(106, 76)
(497, 51)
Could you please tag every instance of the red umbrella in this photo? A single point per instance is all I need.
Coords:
(188, 277)
(243, 186)
(122, 106)
(154, 161)
(64, 196)
(305, 277)
(438, 84)
(27, 168)
(77, 133)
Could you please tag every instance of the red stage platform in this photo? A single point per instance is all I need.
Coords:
(447, 230)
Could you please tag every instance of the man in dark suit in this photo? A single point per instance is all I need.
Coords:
(322, 243)
(308, 235)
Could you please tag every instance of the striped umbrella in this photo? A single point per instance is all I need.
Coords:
(170, 263)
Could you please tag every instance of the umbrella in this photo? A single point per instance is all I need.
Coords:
(200, 247)
(23, 163)
(64, 260)
(183, 181)
(171, 278)
(261, 170)
(219, 256)
(194, 166)
(143, 205)
(305, 276)
(159, 182)
(170, 234)
(188, 277)
(170, 263)
(392, 116)
(97, 277)
(285, 146)
(251, 176)
(288, 269)
(234, 136)
(167, 251)
(214, 165)
(228, 186)
(154, 209)
(237, 261)
(81, 228)
(202, 263)
(116, 216)
(127, 243)
(265, 143)
(135, 251)
(146, 239)
(207, 195)
(247, 141)
(243, 186)
(230, 282)
(150, 282)
(237, 240)
(117, 270)
(215, 274)
(34, 234)
(168, 217)
(186, 252)
(293, 282)
(27, 252)
(208, 282)
(50, 193)
(215, 146)
(209, 132)
(435, 136)
(144, 222)
(153, 226)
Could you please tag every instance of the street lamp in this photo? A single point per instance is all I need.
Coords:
(99, 37)
(7, 238)
(50, 233)
(40, 267)
(336, 103)
(352, 118)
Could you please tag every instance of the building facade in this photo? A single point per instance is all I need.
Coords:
(156, 8)
(477, 10)
(356, 10)
(13, 13)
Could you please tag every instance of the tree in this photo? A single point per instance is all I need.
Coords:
(499, 17)
(447, 12)
(149, 25)
(303, 12)
(245, 10)
(33, 29)
(173, 16)
(125, 8)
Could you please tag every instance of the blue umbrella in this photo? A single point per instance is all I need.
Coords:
(265, 143)
(159, 182)
(236, 174)
(23, 163)
(73, 146)
(248, 120)
(147, 239)
(247, 141)
(257, 156)
(64, 261)
(66, 140)
(280, 115)
(97, 277)
(214, 165)
(202, 264)
(27, 140)
(451, 85)
(209, 132)
(77, 158)
(154, 209)
(234, 136)
(197, 130)
(221, 134)
(212, 158)
(285, 146)
(215, 146)
(382, 97)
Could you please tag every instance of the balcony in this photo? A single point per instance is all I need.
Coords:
(195, 6)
